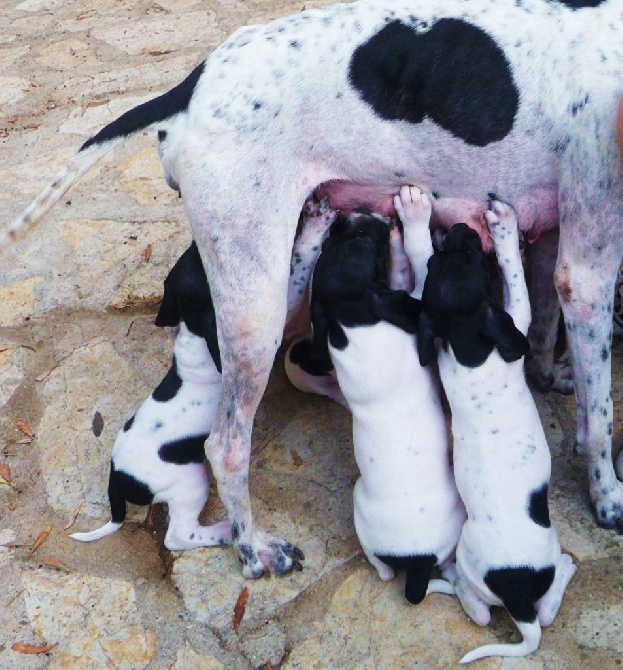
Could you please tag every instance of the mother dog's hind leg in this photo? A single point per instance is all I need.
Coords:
(590, 252)
(245, 237)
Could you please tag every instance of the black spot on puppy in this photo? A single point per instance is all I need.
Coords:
(538, 508)
(182, 452)
(169, 386)
(520, 588)
(128, 424)
(454, 74)
(123, 487)
(418, 569)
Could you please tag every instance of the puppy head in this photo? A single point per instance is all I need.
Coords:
(354, 256)
(187, 298)
(458, 279)
(458, 305)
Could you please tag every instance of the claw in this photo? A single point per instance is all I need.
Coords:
(293, 552)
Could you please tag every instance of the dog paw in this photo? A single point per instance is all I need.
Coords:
(608, 508)
(269, 553)
(319, 209)
(413, 206)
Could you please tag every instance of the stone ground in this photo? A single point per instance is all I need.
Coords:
(78, 352)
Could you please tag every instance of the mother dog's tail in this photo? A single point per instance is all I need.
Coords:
(159, 109)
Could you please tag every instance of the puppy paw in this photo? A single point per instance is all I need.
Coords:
(502, 222)
(318, 212)
(413, 206)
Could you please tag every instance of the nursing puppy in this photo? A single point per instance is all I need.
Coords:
(508, 553)
(408, 514)
(158, 455)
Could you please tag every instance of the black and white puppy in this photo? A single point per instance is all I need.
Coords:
(158, 455)
(408, 514)
(508, 553)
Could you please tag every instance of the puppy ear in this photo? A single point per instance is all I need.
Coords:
(426, 338)
(397, 308)
(169, 313)
(499, 326)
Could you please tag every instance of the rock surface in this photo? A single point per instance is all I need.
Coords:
(79, 294)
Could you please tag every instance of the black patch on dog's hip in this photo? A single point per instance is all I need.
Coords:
(520, 588)
(169, 386)
(418, 569)
(454, 73)
(124, 487)
(538, 508)
(182, 452)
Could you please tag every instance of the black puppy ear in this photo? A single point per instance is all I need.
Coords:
(426, 338)
(397, 308)
(499, 326)
(210, 334)
(169, 313)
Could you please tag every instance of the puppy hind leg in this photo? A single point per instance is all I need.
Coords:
(547, 607)
(473, 605)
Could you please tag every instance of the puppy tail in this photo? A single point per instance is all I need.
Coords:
(117, 508)
(440, 586)
(106, 529)
(531, 632)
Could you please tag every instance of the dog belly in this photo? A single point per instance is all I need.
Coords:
(537, 210)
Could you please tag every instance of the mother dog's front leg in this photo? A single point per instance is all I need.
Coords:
(245, 234)
(589, 255)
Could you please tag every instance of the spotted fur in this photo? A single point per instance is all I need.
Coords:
(514, 98)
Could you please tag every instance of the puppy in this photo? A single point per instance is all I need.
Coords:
(508, 553)
(158, 455)
(408, 514)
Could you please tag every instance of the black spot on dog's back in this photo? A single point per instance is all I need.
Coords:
(182, 452)
(538, 508)
(418, 569)
(454, 73)
(169, 386)
(520, 588)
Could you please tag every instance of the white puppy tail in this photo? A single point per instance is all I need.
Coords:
(531, 637)
(106, 529)
(440, 586)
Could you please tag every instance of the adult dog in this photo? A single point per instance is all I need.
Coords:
(465, 98)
